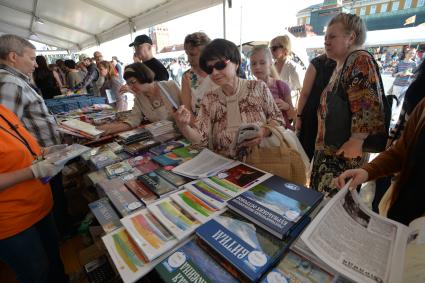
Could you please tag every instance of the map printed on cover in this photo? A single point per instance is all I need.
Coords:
(293, 268)
(177, 220)
(201, 210)
(151, 236)
(250, 249)
(190, 263)
(276, 205)
(211, 195)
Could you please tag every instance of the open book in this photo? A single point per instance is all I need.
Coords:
(364, 246)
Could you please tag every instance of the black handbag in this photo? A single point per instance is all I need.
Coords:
(340, 120)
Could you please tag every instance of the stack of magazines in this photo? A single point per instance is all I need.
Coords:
(160, 127)
(133, 136)
(81, 128)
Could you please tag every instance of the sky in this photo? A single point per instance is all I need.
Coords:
(247, 20)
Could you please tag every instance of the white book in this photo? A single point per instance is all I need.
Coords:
(150, 235)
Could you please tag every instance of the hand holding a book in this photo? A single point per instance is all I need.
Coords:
(45, 168)
(53, 148)
(358, 177)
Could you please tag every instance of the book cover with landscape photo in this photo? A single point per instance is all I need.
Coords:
(276, 205)
(246, 247)
(191, 263)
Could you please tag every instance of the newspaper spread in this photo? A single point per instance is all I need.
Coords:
(357, 242)
(414, 265)
(205, 164)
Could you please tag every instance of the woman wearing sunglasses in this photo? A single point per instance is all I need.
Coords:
(234, 102)
(289, 71)
(150, 100)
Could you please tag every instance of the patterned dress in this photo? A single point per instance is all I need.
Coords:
(198, 86)
(360, 81)
(218, 119)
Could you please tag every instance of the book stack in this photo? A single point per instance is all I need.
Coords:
(81, 128)
(160, 127)
(133, 136)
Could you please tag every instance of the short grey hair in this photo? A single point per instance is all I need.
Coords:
(13, 43)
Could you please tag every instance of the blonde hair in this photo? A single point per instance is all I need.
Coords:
(269, 57)
(351, 23)
(284, 41)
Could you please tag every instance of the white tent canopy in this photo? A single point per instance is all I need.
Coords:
(377, 37)
(80, 24)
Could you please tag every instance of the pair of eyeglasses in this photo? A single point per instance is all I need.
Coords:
(276, 47)
(219, 65)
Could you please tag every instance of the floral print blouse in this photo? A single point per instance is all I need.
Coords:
(256, 106)
(362, 85)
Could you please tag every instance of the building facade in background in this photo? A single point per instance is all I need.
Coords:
(160, 37)
(377, 14)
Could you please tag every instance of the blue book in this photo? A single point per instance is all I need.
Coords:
(247, 248)
(168, 159)
(166, 147)
(276, 205)
(190, 263)
(105, 214)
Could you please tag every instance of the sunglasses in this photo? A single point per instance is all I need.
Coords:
(274, 48)
(219, 65)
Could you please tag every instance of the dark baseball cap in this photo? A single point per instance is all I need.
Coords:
(140, 39)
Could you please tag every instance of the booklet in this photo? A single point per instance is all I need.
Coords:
(211, 195)
(205, 164)
(364, 246)
(105, 214)
(191, 263)
(198, 208)
(157, 184)
(151, 236)
(176, 219)
(276, 205)
(66, 154)
(172, 178)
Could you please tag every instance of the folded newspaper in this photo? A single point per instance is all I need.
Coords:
(205, 164)
(364, 246)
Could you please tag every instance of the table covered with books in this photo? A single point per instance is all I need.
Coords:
(190, 214)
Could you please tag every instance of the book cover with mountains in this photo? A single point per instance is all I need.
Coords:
(151, 236)
(249, 249)
(191, 263)
(276, 205)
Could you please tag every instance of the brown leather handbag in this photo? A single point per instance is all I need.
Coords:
(281, 160)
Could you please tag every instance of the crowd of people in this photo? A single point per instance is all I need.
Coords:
(338, 107)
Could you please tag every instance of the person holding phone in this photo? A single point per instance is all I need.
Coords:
(224, 109)
(154, 100)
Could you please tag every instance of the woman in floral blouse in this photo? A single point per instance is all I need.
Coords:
(234, 102)
(359, 81)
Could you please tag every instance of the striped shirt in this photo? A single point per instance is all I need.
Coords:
(17, 94)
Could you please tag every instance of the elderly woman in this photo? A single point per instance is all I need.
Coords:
(263, 69)
(111, 86)
(195, 82)
(289, 71)
(351, 106)
(225, 108)
(150, 100)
